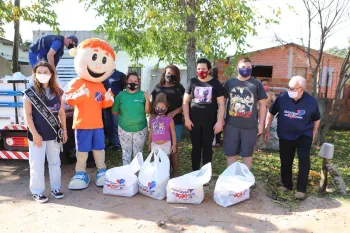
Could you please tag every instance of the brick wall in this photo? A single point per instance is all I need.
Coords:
(343, 121)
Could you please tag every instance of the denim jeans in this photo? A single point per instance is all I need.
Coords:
(111, 126)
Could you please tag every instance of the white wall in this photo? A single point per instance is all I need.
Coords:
(123, 62)
(6, 52)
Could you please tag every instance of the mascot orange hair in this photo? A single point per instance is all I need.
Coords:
(94, 62)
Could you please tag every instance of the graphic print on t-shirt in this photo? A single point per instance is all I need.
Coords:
(158, 127)
(241, 102)
(203, 95)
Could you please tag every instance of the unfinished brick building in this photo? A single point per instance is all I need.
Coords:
(280, 63)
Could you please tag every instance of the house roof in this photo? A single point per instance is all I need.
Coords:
(291, 44)
(10, 43)
(6, 41)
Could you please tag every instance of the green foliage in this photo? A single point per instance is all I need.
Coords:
(158, 27)
(266, 167)
(338, 51)
(39, 11)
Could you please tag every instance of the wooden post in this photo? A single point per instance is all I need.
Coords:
(324, 174)
(338, 181)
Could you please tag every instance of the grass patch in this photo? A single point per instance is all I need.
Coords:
(266, 166)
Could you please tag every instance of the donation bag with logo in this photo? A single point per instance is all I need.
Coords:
(189, 187)
(233, 185)
(154, 176)
(122, 181)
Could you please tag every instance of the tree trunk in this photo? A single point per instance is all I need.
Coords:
(15, 64)
(191, 41)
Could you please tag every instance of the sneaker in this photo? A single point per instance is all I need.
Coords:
(57, 194)
(283, 189)
(100, 177)
(299, 195)
(80, 180)
(40, 198)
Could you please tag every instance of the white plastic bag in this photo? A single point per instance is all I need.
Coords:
(189, 188)
(233, 185)
(122, 181)
(154, 176)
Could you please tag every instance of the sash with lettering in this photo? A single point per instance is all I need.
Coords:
(51, 119)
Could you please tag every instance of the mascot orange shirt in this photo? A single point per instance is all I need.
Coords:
(94, 62)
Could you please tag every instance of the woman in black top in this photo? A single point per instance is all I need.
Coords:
(174, 91)
(203, 98)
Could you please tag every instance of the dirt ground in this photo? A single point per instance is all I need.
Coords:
(91, 211)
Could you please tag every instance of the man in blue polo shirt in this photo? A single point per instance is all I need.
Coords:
(116, 82)
(297, 122)
(50, 48)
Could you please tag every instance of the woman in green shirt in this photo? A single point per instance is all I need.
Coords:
(132, 105)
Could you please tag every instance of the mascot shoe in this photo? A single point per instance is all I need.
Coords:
(80, 180)
(100, 177)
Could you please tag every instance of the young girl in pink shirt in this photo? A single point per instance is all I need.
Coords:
(162, 129)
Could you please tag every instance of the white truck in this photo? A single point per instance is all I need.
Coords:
(13, 132)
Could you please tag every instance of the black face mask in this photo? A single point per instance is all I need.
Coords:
(70, 46)
(170, 78)
(132, 86)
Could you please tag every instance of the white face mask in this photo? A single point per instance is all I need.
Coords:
(292, 94)
(43, 78)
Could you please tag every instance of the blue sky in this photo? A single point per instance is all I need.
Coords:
(293, 25)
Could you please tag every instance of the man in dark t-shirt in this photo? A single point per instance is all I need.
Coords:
(244, 93)
(297, 123)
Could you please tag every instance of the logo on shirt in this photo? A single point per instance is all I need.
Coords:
(241, 102)
(294, 115)
(98, 96)
(55, 108)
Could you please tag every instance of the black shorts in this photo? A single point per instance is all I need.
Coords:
(239, 141)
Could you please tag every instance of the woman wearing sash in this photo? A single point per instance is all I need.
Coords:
(42, 104)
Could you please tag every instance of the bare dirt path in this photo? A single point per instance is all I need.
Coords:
(91, 211)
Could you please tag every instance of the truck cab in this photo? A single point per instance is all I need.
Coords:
(13, 131)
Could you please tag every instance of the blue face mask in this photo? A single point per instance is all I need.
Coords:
(245, 72)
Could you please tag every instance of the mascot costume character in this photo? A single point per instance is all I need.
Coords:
(94, 62)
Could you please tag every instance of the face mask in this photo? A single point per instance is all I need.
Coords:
(43, 78)
(266, 88)
(70, 46)
(132, 86)
(160, 111)
(202, 74)
(245, 72)
(292, 94)
(170, 78)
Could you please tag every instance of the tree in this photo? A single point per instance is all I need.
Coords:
(337, 51)
(38, 11)
(176, 31)
(16, 41)
(329, 15)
